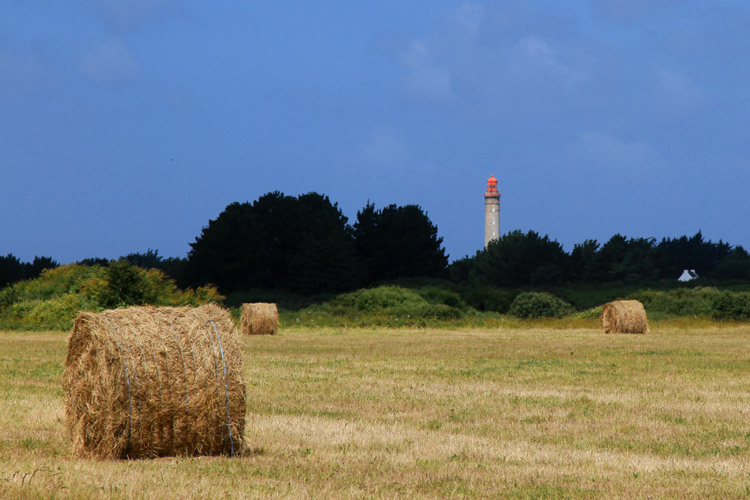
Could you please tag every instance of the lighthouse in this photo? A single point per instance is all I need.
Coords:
(491, 211)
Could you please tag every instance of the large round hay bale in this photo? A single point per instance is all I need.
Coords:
(259, 318)
(147, 382)
(624, 316)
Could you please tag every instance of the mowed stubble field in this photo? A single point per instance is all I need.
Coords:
(520, 413)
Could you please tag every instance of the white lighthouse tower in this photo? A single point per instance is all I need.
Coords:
(491, 211)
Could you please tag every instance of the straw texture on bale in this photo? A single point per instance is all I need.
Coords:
(260, 319)
(624, 316)
(147, 382)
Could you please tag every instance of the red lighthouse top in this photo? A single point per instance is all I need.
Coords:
(492, 187)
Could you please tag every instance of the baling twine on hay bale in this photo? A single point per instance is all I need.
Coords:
(624, 316)
(148, 382)
(259, 319)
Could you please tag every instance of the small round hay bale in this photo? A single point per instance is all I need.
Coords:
(259, 318)
(624, 316)
(148, 382)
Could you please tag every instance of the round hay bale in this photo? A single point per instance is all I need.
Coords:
(259, 319)
(624, 316)
(148, 382)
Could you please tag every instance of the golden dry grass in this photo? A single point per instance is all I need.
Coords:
(363, 413)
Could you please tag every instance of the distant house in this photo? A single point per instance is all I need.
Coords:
(688, 275)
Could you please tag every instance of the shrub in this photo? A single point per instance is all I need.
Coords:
(52, 314)
(441, 296)
(429, 311)
(124, 285)
(593, 313)
(380, 299)
(491, 299)
(284, 300)
(56, 282)
(393, 305)
(678, 302)
(8, 297)
(731, 305)
(539, 305)
(208, 294)
(54, 299)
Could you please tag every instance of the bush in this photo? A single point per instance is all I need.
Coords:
(731, 305)
(678, 302)
(56, 282)
(284, 300)
(124, 285)
(429, 311)
(539, 305)
(54, 299)
(440, 296)
(491, 299)
(53, 314)
(393, 306)
(378, 300)
(8, 297)
(593, 313)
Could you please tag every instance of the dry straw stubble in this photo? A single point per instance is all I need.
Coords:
(259, 319)
(624, 316)
(147, 382)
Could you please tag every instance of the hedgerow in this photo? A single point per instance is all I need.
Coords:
(54, 299)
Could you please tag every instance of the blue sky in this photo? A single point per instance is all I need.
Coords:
(127, 125)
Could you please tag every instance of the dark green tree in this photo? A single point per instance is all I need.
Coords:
(124, 287)
(226, 253)
(624, 259)
(326, 257)
(11, 270)
(610, 255)
(34, 268)
(93, 261)
(518, 259)
(174, 267)
(398, 242)
(583, 261)
(459, 269)
(638, 263)
(735, 266)
(678, 254)
(301, 244)
(149, 260)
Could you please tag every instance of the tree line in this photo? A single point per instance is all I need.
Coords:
(301, 244)
(13, 270)
(305, 244)
(519, 259)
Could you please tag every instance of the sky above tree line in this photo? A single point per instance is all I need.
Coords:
(127, 125)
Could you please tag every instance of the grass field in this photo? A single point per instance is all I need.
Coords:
(512, 413)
